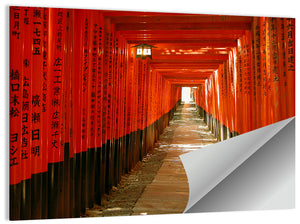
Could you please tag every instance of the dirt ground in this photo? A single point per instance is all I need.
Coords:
(123, 197)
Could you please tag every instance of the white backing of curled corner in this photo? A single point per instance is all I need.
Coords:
(207, 167)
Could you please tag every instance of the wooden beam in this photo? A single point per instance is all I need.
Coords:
(190, 57)
(112, 13)
(199, 42)
(167, 66)
(187, 82)
(178, 61)
(205, 36)
(182, 26)
(181, 18)
(182, 32)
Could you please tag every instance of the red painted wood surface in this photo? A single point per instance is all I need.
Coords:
(16, 33)
(29, 124)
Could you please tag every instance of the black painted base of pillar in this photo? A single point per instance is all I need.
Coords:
(15, 202)
(74, 184)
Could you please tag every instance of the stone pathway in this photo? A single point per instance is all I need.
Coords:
(158, 184)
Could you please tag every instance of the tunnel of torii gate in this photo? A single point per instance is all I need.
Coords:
(84, 109)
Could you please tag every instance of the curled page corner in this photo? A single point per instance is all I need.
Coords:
(207, 167)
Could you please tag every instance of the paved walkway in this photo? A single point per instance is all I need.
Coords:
(169, 191)
(159, 185)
